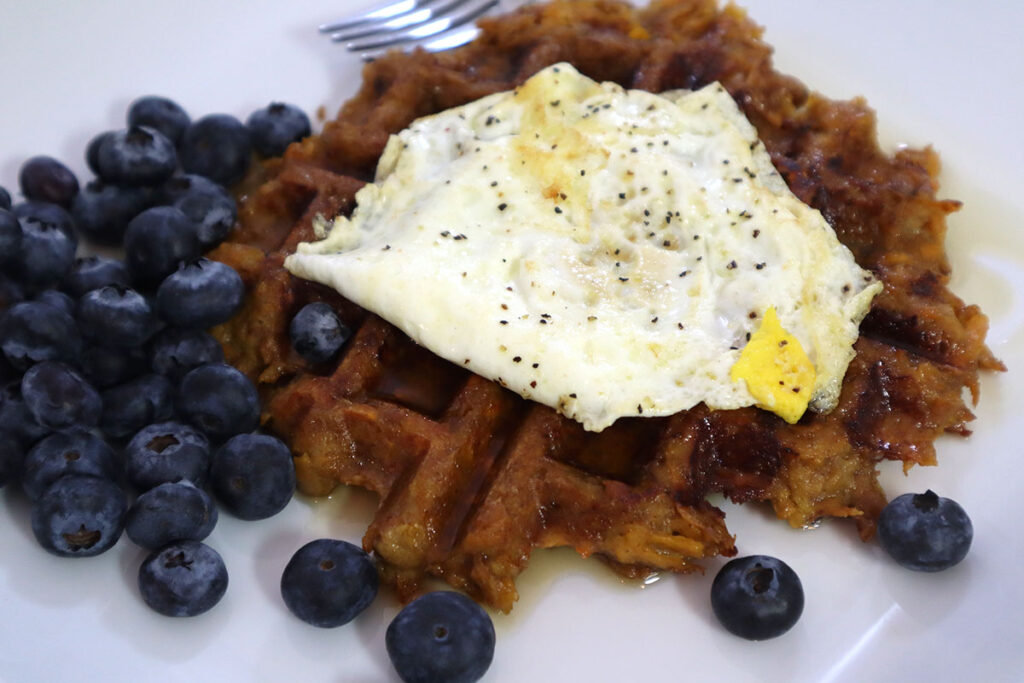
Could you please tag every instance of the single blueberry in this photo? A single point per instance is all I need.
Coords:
(5, 198)
(253, 476)
(93, 272)
(213, 211)
(173, 511)
(59, 300)
(79, 516)
(77, 452)
(106, 366)
(316, 332)
(45, 212)
(47, 252)
(183, 579)
(174, 352)
(45, 179)
(219, 400)
(103, 211)
(15, 417)
(92, 150)
(34, 331)
(183, 184)
(200, 294)
(166, 451)
(327, 582)
(925, 532)
(116, 316)
(276, 126)
(217, 147)
(10, 237)
(59, 398)
(136, 156)
(441, 636)
(129, 407)
(12, 456)
(157, 241)
(161, 114)
(757, 597)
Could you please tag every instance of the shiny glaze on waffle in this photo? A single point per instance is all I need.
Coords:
(472, 478)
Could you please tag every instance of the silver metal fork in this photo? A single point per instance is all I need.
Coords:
(434, 25)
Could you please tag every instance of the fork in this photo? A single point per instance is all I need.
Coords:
(434, 25)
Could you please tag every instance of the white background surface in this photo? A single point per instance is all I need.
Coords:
(946, 74)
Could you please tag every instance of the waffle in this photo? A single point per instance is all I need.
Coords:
(472, 478)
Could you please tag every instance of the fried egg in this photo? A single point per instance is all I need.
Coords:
(606, 252)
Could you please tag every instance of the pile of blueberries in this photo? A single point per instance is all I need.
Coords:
(112, 388)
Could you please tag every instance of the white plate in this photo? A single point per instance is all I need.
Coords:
(946, 74)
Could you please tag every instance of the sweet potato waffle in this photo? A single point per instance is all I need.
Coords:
(473, 478)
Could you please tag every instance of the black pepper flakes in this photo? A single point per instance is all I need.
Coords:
(731, 265)
(502, 206)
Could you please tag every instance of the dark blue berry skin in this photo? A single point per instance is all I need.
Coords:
(925, 532)
(47, 252)
(157, 241)
(175, 511)
(93, 272)
(165, 452)
(441, 636)
(15, 417)
(106, 366)
(12, 455)
(59, 398)
(183, 579)
(174, 352)
(10, 237)
(186, 183)
(45, 212)
(217, 147)
(200, 294)
(276, 126)
(47, 180)
(59, 300)
(213, 212)
(103, 211)
(79, 516)
(328, 583)
(252, 475)
(219, 400)
(116, 316)
(129, 407)
(5, 198)
(78, 452)
(316, 332)
(160, 114)
(136, 156)
(92, 151)
(757, 597)
(11, 292)
(34, 331)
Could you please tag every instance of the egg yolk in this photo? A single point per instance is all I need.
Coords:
(777, 371)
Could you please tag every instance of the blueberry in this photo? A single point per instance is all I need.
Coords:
(174, 511)
(441, 636)
(200, 294)
(10, 237)
(47, 252)
(217, 147)
(218, 399)
(11, 292)
(59, 300)
(15, 417)
(116, 316)
(92, 150)
(103, 211)
(79, 516)
(180, 185)
(925, 532)
(48, 180)
(183, 579)
(166, 452)
(34, 331)
(174, 352)
(106, 366)
(92, 272)
(327, 583)
(160, 114)
(213, 212)
(276, 126)
(5, 198)
(317, 333)
(157, 241)
(11, 457)
(253, 476)
(757, 597)
(129, 407)
(45, 212)
(77, 452)
(59, 398)
(136, 156)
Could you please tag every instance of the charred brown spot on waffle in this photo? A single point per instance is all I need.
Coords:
(472, 478)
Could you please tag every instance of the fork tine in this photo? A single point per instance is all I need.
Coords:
(446, 41)
(384, 13)
(432, 28)
(420, 15)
